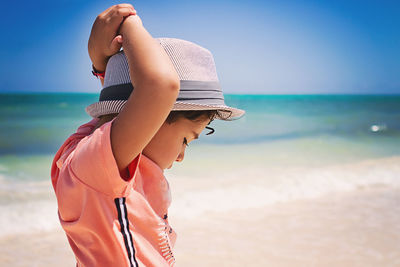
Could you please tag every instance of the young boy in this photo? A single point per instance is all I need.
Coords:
(158, 95)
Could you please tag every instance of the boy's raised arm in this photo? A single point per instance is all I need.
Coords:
(156, 87)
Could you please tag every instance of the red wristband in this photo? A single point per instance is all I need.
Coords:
(98, 73)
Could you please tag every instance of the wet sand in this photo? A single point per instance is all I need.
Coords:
(356, 228)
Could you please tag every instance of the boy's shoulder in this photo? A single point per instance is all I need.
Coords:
(87, 157)
(69, 146)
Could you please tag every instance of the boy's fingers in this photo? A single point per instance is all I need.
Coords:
(121, 8)
(119, 15)
(123, 5)
(109, 11)
(123, 12)
(105, 12)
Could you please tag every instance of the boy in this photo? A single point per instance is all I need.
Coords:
(158, 95)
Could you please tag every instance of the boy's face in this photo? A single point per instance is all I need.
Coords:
(168, 144)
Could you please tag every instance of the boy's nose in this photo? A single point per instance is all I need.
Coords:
(180, 156)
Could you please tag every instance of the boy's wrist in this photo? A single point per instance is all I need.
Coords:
(100, 64)
(98, 73)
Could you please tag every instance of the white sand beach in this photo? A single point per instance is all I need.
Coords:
(233, 222)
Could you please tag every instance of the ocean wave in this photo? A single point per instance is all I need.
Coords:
(258, 187)
(28, 217)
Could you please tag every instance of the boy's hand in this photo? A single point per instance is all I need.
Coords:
(104, 40)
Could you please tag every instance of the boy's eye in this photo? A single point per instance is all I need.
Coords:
(185, 141)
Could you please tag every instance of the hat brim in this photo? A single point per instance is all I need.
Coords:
(225, 112)
(115, 106)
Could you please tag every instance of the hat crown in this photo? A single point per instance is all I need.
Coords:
(191, 62)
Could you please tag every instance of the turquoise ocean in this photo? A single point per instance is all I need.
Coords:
(277, 132)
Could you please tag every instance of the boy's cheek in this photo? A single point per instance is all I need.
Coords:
(172, 156)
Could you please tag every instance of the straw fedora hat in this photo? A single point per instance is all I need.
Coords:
(199, 84)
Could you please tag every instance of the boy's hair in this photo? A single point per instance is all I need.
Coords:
(173, 116)
(192, 115)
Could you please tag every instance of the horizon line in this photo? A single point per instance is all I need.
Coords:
(241, 94)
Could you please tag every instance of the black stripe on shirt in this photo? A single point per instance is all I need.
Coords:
(125, 232)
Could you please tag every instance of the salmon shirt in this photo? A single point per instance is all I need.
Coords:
(111, 218)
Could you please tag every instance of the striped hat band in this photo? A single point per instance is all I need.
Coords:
(199, 85)
(201, 92)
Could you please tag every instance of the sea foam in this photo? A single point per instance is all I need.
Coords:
(261, 187)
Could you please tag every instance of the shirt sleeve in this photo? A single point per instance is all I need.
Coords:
(93, 163)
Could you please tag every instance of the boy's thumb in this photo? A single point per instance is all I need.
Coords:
(116, 43)
(119, 38)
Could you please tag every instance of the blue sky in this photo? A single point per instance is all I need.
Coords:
(266, 47)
